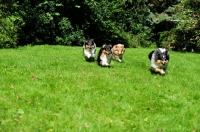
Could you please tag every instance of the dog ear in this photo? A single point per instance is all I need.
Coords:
(91, 41)
(157, 54)
(167, 54)
(110, 45)
(150, 54)
(123, 47)
(104, 45)
(86, 42)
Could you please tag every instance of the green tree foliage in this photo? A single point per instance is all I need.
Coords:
(44, 24)
(186, 35)
(67, 34)
(159, 6)
(10, 23)
(107, 20)
(132, 22)
(8, 31)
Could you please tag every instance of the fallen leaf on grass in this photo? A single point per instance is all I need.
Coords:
(170, 108)
(17, 120)
(12, 85)
(29, 102)
(34, 77)
(19, 97)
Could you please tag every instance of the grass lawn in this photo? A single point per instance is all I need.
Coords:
(53, 89)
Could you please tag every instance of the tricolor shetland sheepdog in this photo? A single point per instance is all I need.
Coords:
(89, 50)
(159, 60)
(105, 55)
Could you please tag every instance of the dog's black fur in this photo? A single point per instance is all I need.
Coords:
(104, 55)
(89, 50)
(159, 55)
(159, 59)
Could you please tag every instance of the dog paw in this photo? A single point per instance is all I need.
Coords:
(162, 72)
(106, 64)
(88, 56)
(120, 60)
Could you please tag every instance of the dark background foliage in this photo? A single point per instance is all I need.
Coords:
(136, 23)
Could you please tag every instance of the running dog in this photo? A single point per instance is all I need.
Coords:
(89, 50)
(104, 55)
(159, 60)
(118, 52)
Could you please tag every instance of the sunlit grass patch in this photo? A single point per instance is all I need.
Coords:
(52, 88)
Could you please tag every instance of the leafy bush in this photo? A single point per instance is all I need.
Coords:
(186, 35)
(41, 19)
(139, 40)
(68, 35)
(70, 22)
(9, 27)
(44, 24)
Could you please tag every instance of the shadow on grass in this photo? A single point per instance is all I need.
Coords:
(90, 60)
(106, 66)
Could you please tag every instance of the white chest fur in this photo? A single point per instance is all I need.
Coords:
(89, 53)
(105, 59)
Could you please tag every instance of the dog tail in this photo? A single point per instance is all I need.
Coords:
(150, 54)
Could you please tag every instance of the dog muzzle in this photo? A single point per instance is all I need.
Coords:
(164, 62)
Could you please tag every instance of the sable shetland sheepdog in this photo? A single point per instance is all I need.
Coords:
(89, 50)
(159, 59)
(104, 55)
(117, 52)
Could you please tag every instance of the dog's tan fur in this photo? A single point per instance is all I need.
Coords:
(88, 47)
(118, 52)
(104, 55)
(160, 63)
(159, 60)
(104, 52)
(89, 50)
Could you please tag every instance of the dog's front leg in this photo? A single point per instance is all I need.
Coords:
(119, 60)
(87, 54)
(93, 55)
(161, 71)
(105, 63)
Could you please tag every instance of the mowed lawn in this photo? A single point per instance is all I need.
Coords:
(53, 89)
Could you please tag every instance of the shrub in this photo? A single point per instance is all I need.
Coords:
(9, 27)
(68, 35)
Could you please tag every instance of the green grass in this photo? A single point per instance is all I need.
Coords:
(53, 89)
